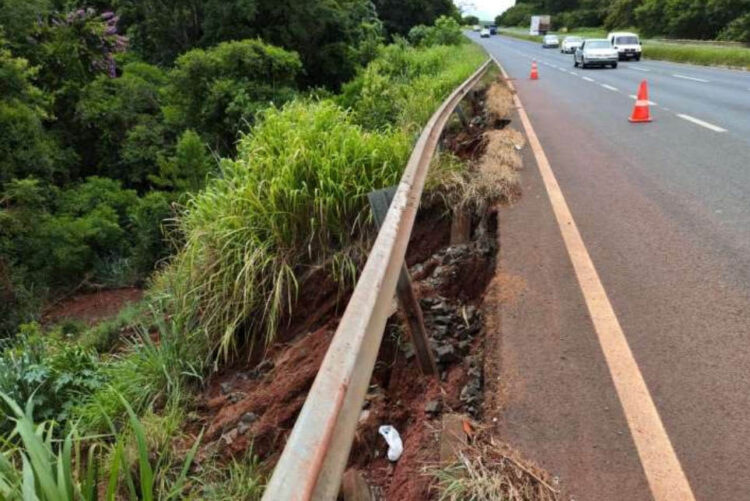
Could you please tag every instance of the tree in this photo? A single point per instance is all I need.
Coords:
(621, 14)
(399, 16)
(218, 91)
(25, 147)
(123, 123)
(327, 35)
(445, 32)
(188, 168)
(518, 15)
(470, 20)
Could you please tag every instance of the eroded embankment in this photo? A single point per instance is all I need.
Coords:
(452, 259)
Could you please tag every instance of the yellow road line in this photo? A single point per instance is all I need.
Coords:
(664, 473)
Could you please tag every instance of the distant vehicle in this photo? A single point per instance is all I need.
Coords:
(485, 33)
(570, 44)
(539, 25)
(627, 45)
(550, 41)
(477, 27)
(493, 29)
(595, 52)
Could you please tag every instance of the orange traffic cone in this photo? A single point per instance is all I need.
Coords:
(534, 71)
(641, 111)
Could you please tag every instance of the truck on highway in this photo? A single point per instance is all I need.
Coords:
(539, 25)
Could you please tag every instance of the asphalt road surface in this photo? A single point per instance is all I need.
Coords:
(664, 211)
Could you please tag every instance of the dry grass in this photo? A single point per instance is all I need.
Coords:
(492, 180)
(502, 149)
(499, 102)
(489, 471)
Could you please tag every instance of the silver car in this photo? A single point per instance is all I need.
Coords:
(595, 52)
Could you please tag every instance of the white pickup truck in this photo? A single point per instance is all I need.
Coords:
(627, 45)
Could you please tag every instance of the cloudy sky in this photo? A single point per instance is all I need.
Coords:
(484, 9)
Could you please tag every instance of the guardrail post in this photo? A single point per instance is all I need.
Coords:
(380, 200)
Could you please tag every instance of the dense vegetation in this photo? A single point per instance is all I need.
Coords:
(219, 162)
(690, 19)
(111, 111)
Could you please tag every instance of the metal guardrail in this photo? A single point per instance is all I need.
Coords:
(315, 456)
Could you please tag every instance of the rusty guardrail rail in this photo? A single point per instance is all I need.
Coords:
(316, 453)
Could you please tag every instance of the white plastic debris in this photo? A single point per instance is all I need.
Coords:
(395, 445)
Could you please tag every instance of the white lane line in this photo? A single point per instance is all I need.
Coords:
(685, 77)
(697, 121)
(650, 103)
(589, 79)
(576, 74)
(666, 478)
(638, 69)
(609, 87)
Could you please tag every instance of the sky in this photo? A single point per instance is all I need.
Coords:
(484, 9)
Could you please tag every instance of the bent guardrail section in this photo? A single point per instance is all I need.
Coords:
(316, 453)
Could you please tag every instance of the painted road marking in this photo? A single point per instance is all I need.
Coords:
(650, 103)
(639, 69)
(684, 77)
(697, 121)
(576, 74)
(588, 79)
(609, 87)
(663, 470)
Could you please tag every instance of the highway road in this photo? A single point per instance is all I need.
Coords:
(663, 210)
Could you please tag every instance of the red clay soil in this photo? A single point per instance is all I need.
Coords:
(260, 406)
(92, 307)
(256, 405)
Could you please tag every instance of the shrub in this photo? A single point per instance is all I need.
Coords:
(50, 373)
(42, 468)
(446, 31)
(188, 168)
(150, 219)
(25, 148)
(404, 85)
(218, 91)
(122, 119)
(149, 373)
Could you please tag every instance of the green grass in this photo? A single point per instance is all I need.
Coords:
(705, 55)
(296, 196)
(701, 54)
(39, 467)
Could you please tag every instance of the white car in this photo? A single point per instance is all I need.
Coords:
(550, 41)
(477, 27)
(595, 52)
(485, 33)
(627, 45)
(570, 44)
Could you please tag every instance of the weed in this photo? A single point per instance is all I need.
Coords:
(241, 479)
(488, 471)
(46, 469)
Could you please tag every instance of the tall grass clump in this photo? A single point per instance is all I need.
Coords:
(296, 196)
